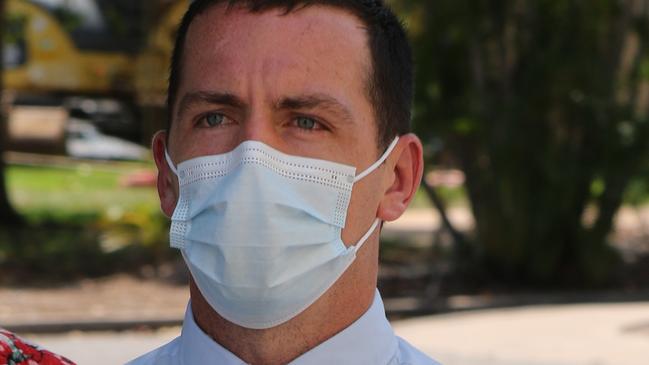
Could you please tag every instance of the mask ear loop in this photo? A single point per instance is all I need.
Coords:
(367, 235)
(368, 171)
(378, 163)
(170, 163)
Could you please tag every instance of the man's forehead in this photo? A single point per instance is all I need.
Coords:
(228, 43)
(220, 20)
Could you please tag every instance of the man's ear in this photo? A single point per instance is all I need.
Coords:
(407, 166)
(167, 182)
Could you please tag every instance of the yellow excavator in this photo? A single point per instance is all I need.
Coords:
(152, 67)
(42, 56)
(104, 61)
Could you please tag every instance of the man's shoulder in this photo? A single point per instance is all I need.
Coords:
(409, 355)
(166, 354)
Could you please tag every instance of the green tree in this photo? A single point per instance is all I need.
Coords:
(544, 106)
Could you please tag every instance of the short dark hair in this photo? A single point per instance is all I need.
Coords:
(390, 84)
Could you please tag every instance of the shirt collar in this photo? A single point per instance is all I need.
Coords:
(369, 340)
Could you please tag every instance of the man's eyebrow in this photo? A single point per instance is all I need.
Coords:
(313, 101)
(208, 97)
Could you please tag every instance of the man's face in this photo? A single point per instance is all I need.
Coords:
(296, 82)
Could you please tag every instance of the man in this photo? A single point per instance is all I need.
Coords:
(288, 144)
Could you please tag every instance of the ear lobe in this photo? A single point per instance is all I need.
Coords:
(167, 182)
(408, 166)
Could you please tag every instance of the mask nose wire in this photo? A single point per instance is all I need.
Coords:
(170, 163)
(378, 163)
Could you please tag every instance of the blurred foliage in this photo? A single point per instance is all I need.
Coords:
(543, 105)
(81, 222)
(637, 193)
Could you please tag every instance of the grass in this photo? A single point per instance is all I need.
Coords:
(77, 190)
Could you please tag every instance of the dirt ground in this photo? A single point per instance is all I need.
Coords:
(116, 298)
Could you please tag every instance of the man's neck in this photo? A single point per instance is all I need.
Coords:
(341, 306)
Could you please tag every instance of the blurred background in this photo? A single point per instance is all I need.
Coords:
(528, 242)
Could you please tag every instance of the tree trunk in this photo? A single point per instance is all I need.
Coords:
(439, 204)
(8, 216)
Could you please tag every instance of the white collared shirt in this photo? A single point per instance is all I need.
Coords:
(368, 341)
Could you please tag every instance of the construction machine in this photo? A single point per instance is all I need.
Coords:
(153, 64)
(102, 61)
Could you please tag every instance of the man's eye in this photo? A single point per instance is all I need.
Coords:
(306, 123)
(212, 120)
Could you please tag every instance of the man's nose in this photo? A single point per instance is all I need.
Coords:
(261, 127)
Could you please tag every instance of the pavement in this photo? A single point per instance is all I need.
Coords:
(579, 334)
(110, 321)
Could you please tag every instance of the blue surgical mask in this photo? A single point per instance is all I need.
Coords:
(260, 230)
